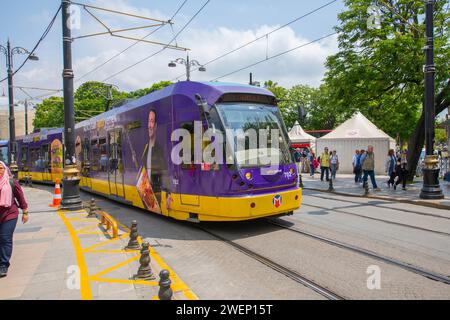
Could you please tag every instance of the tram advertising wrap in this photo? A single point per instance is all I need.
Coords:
(191, 151)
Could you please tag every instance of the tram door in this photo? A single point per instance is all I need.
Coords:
(115, 163)
(45, 153)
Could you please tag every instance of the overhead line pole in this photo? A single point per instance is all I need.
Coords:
(71, 191)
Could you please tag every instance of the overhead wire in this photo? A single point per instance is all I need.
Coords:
(263, 36)
(131, 46)
(44, 35)
(162, 49)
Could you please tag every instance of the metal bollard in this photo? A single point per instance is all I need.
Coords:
(300, 181)
(92, 209)
(133, 244)
(145, 270)
(30, 181)
(366, 188)
(165, 291)
(330, 186)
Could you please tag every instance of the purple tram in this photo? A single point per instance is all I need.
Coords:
(4, 150)
(147, 153)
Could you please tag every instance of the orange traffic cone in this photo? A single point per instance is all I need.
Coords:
(57, 195)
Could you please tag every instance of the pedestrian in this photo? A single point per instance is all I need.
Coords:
(391, 161)
(402, 171)
(334, 164)
(325, 164)
(10, 191)
(356, 163)
(311, 160)
(368, 166)
(362, 153)
(297, 158)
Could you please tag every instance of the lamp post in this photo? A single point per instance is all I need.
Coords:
(71, 191)
(9, 53)
(431, 188)
(188, 63)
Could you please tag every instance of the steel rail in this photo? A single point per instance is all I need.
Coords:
(415, 269)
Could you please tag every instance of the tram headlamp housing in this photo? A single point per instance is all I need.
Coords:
(248, 176)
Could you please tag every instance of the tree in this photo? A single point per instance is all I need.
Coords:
(49, 113)
(379, 71)
(142, 92)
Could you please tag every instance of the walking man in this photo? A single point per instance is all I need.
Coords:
(357, 166)
(368, 166)
(325, 164)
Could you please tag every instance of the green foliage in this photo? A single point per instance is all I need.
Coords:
(440, 136)
(90, 99)
(142, 92)
(50, 113)
(379, 71)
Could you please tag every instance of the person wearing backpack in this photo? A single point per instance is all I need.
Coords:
(357, 166)
(10, 191)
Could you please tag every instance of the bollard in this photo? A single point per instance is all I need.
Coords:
(92, 209)
(330, 186)
(165, 291)
(145, 271)
(30, 181)
(133, 244)
(366, 188)
(300, 181)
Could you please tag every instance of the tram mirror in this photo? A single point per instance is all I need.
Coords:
(204, 108)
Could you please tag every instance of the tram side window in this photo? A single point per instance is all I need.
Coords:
(45, 155)
(95, 152)
(24, 155)
(103, 155)
(189, 126)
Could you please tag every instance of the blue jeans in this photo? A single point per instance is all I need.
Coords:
(6, 241)
(311, 170)
(370, 173)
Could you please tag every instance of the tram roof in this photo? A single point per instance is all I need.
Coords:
(210, 91)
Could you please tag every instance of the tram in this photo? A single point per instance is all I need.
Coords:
(4, 150)
(147, 153)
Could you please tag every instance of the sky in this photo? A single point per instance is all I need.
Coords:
(220, 27)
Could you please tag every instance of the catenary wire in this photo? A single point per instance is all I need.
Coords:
(161, 50)
(131, 46)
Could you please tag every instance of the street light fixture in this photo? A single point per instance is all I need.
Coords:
(9, 53)
(188, 63)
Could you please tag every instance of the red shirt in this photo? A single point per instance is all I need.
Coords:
(12, 212)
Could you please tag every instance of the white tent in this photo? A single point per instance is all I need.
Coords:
(300, 138)
(357, 133)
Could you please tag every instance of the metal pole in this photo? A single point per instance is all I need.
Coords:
(188, 68)
(12, 124)
(26, 116)
(71, 193)
(431, 188)
(251, 79)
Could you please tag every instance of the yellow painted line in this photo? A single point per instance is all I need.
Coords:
(110, 251)
(87, 228)
(125, 281)
(117, 266)
(85, 286)
(104, 233)
(155, 298)
(101, 244)
(177, 282)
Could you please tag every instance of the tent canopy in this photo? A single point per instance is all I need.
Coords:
(357, 127)
(298, 135)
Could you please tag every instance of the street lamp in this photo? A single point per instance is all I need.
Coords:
(9, 53)
(188, 63)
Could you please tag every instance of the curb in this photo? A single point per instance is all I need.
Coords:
(401, 200)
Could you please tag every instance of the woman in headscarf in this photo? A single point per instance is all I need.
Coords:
(10, 191)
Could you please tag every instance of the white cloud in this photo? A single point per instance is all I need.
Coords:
(302, 66)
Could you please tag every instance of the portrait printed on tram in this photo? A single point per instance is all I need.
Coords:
(153, 165)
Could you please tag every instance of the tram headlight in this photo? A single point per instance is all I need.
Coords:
(248, 176)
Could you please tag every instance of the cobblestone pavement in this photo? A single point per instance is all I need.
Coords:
(65, 255)
(345, 184)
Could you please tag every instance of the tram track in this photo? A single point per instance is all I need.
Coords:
(277, 267)
(415, 269)
(377, 219)
(381, 207)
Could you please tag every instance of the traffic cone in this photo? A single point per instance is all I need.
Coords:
(57, 195)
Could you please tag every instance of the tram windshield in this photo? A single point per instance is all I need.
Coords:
(4, 154)
(259, 134)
